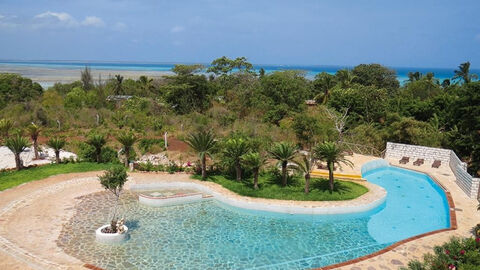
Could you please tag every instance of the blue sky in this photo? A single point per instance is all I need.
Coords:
(428, 33)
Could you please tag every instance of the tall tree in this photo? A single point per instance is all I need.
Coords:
(17, 145)
(224, 65)
(118, 85)
(97, 141)
(284, 152)
(204, 143)
(254, 161)
(86, 78)
(127, 139)
(377, 75)
(34, 131)
(233, 150)
(57, 145)
(463, 73)
(331, 154)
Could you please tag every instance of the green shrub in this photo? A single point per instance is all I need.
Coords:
(87, 153)
(458, 253)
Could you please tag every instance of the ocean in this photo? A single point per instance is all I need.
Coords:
(311, 71)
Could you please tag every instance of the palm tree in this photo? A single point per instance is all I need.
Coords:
(97, 141)
(5, 126)
(345, 77)
(332, 154)
(57, 144)
(127, 139)
(117, 85)
(202, 142)
(305, 166)
(324, 82)
(414, 76)
(283, 152)
(145, 83)
(233, 150)
(34, 131)
(463, 73)
(17, 145)
(254, 161)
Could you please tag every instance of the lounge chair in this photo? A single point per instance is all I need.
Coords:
(404, 160)
(419, 162)
(436, 163)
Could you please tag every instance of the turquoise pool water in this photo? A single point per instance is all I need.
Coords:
(212, 235)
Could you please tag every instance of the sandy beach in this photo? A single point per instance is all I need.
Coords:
(49, 76)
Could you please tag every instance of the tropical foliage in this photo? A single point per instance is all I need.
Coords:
(333, 155)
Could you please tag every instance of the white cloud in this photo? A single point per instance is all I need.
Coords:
(93, 21)
(177, 29)
(63, 19)
(7, 21)
(58, 18)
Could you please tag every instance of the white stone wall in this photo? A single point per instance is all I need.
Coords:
(399, 150)
(464, 180)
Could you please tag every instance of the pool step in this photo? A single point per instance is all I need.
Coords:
(206, 196)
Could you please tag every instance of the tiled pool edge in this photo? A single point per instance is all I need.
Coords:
(453, 226)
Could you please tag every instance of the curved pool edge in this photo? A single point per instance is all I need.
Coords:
(452, 215)
(374, 198)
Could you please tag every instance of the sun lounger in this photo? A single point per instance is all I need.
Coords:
(404, 160)
(436, 163)
(419, 162)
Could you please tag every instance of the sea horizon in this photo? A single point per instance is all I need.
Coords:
(441, 73)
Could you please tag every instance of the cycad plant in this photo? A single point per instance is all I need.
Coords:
(17, 145)
(203, 143)
(331, 154)
(284, 152)
(254, 161)
(34, 131)
(305, 165)
(127, 139)
(57, 144)
(233, 150)
(97, 141)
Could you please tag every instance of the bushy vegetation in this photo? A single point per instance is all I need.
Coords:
(461, 254)
(366, 106)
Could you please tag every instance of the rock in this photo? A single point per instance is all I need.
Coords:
(396, 262)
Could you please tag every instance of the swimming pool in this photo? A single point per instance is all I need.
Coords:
(213, 235)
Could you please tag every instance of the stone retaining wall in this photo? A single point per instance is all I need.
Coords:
(464, 180)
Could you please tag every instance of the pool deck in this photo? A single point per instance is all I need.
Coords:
(40, 208)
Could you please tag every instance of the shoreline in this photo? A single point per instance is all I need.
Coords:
(47, 77)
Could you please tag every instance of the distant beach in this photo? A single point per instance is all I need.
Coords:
(47, 73)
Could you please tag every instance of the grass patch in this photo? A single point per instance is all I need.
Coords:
(15, 178)
(270, 189)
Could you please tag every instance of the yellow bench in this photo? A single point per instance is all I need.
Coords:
(324, 174)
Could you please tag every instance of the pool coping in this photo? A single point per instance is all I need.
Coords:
(377, 197)
(453, 226)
